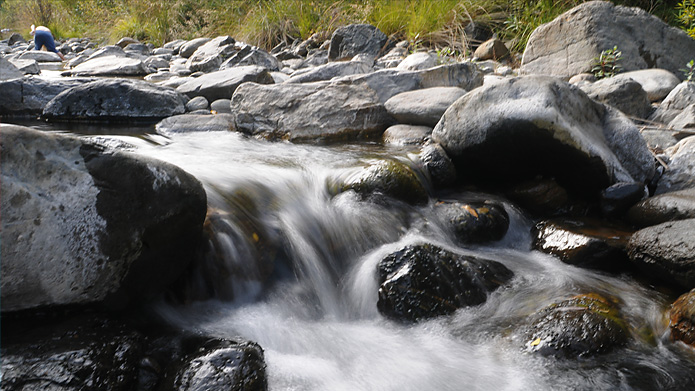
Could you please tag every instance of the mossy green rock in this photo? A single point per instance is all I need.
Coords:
(388, 177)
(584, 325)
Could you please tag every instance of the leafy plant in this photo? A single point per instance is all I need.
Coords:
(607, 64)
(689, 71)
(686, 16)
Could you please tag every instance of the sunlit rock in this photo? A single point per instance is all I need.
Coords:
(583, 326)
(583, 243)
(682, 319)
(84, 225)
(425, 281)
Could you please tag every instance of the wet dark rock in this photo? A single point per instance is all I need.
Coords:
(187, 123)
(438, 165)
(473, 222)
(424, 281)
(222, 84)
(537, 125)
(349, 41)
(16, 38)
(618, 198)
(224, 365)
(682, 319)
(84, 353)
(666, 252)
(677, 205)
(116, 99)
(387, 177)
(29, 95)
(83, 224)
(542, 196)
(583, 243)
(583, 326)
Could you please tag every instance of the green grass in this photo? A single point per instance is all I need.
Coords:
(432, 23)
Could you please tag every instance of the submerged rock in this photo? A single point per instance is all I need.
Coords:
(386, 177)
(666, 252)
(406, 134)
(537, 125)
(424, 281)
(473, 222)
(86, 225)
(437, 163)
(682, 319)
(585, 325)
(224, 365)
(115, 99)
(583, 243)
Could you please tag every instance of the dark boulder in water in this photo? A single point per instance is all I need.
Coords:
(584, 325)
(424, 281)
(583, 243)
(474, 222)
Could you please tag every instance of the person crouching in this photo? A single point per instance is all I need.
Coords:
(43, 37)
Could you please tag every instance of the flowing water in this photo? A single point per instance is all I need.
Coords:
(292, 266)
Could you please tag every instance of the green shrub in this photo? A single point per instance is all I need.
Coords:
(686, 16)
(607, 64)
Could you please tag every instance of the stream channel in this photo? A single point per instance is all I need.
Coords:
(292, 266)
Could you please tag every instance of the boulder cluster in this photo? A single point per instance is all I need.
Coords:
(543, 133)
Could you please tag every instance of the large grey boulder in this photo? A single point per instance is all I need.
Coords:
(329, 71)
(682, 96)
(624, 94)
(422, 107)
(187, 123)
(8, 70)
(209, 57)
(681, 168)
(29, 95)
(537, 125)
(309, 111)
(568, 45)
(222, 84)
(110, 66)
(82, 224)
(116, 99)
(90, 54)
(667, 252)
(349, 41)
